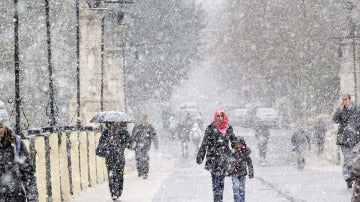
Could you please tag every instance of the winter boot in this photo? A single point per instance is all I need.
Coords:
(114, 198)
(349, 182)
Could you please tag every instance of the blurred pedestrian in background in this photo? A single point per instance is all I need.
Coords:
(172, 127)
(17, 173)
(184, 131)
(112, 144)
(215, 146)
(143, 135)
(242, 166)
(347, 115)
(195, 136)
(300, 141)
(320, 132)
(262, 134)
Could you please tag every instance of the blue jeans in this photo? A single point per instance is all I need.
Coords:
(238, 188)
(346, 150)
(217, 185)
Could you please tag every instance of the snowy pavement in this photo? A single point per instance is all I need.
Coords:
(173, 179)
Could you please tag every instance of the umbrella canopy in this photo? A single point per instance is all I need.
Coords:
(321, 117)
(111, 117)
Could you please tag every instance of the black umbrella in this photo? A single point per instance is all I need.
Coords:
(111, 117)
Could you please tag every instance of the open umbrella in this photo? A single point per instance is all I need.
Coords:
(321, 117)
(111, 117)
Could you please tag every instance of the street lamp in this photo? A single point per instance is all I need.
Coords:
(17, 69)
(51, 111)
(78, 122)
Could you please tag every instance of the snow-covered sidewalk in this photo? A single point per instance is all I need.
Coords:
(135, 189)
(172, 179)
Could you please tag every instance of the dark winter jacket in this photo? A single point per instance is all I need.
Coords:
(241, 162)
(348, 130)
(262, 134)
(300, 140)
(354, 169)
(16, 172)
(142, 136)
(216, 148)
(320, 130)
(113, 152)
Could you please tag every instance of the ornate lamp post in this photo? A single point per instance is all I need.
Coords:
(51, 110)
(17, 69)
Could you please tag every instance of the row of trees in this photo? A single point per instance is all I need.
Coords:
(162, 39)
(287, 51)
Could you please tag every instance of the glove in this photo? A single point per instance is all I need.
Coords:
(251, 176)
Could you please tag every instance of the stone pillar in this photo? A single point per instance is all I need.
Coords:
(90, 67)
(349, 70)
(90, 62)
(114, 89)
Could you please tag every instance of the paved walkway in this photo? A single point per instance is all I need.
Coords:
(172, 179)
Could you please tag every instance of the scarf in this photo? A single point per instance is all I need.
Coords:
(222, 127)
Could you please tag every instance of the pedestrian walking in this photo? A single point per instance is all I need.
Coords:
(112, 144)
(262, 134)
(17, 173)
(215, 146)
(241, 167)
(143, 135)
(347, 115)
(320, 132)
(300, 141)
(184, 131)
(172, 127)
(195, 136)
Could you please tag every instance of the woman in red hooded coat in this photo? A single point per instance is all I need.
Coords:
(215, 145)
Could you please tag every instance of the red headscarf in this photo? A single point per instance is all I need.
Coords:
(222, 127)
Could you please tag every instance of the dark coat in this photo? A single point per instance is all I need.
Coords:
(10, 185)
(300, 141)
(216, 148)
(348, 120)
(354, 169)
(262, 135)
(241, 162)
(114, 152)
(320, 131)
(142, 136)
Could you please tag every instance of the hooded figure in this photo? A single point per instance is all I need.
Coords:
(215, 146)
(17, 174)
(241, 165)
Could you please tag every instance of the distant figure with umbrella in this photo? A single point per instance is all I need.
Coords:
(143, 135)
(320, 132)
(112, 144)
